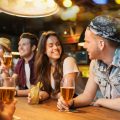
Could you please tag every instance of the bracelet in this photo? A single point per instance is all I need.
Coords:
(73, 105)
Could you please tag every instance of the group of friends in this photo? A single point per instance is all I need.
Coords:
(44, 61)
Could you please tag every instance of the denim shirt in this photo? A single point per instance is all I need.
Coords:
(108, 77)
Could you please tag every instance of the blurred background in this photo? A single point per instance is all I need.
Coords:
(69, 22)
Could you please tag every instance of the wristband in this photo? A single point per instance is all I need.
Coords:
(72, 106)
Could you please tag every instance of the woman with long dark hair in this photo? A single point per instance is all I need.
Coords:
(51, 65)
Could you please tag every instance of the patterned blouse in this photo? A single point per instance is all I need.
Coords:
(108, 77)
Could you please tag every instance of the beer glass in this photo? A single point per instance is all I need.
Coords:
(67, 88)
(7, 90)
(7, 59)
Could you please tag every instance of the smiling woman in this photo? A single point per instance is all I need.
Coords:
(51, 65)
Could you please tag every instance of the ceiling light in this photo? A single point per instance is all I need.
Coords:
(67, 3)
(29, 8)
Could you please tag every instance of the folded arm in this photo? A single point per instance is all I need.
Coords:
(109, 103)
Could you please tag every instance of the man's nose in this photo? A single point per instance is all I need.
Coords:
(20, 47)
(84, 45)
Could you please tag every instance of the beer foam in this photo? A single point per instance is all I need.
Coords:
(68, 87)
(7, 87)
(7, 55)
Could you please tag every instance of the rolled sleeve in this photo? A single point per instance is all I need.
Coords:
(69, 66)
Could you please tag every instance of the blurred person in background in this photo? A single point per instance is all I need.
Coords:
(51, 65)
(6, 67)
(102, 42)
(24, 70)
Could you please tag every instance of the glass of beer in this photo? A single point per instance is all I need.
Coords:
(67, 88)
(7, 90)
(7, 59)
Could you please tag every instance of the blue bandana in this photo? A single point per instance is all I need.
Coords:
(106, 27)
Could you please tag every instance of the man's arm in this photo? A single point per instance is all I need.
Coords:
(109, 103)
(83, 99)
(19, 92)
(15, 78)
(88, 95)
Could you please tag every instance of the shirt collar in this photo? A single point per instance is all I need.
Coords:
(31, 60)
(116, 58)
(116, 61)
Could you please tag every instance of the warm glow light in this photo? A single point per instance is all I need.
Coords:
(29, 8)
(117, 1)
(65, 32)
(81, 44)
(70, 13)
(15, 53)
(67, 3)
(28, 0)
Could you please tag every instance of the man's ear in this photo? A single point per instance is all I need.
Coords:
(33, 48)
(101, 44)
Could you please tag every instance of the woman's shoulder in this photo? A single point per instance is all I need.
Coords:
(69, 59)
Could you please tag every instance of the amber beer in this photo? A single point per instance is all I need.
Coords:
(7, 60)
(7, 94)
(67, 93)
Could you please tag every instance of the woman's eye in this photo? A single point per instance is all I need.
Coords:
(58, 44)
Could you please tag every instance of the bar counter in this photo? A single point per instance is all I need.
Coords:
(48, 111)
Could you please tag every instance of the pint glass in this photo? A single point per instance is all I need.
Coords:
(7, 90)
(67, 88)
(7, 59)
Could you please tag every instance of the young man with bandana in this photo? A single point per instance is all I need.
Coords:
(102, 42)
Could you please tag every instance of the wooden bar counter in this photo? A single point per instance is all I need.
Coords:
(48, 111)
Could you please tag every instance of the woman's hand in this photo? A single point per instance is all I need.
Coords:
(29, 98)
(55, 96)
(43, 95)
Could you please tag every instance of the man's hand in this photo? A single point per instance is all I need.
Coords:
(98, 102)
(7, 110)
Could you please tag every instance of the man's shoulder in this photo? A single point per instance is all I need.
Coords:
(20, 61)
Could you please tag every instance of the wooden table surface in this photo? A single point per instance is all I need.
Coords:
(48, 111)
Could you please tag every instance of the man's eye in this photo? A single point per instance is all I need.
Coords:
(50, 45)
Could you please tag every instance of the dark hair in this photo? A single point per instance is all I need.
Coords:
(33, 38)
(43, 66)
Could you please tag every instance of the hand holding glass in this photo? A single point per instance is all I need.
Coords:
(7, 59)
